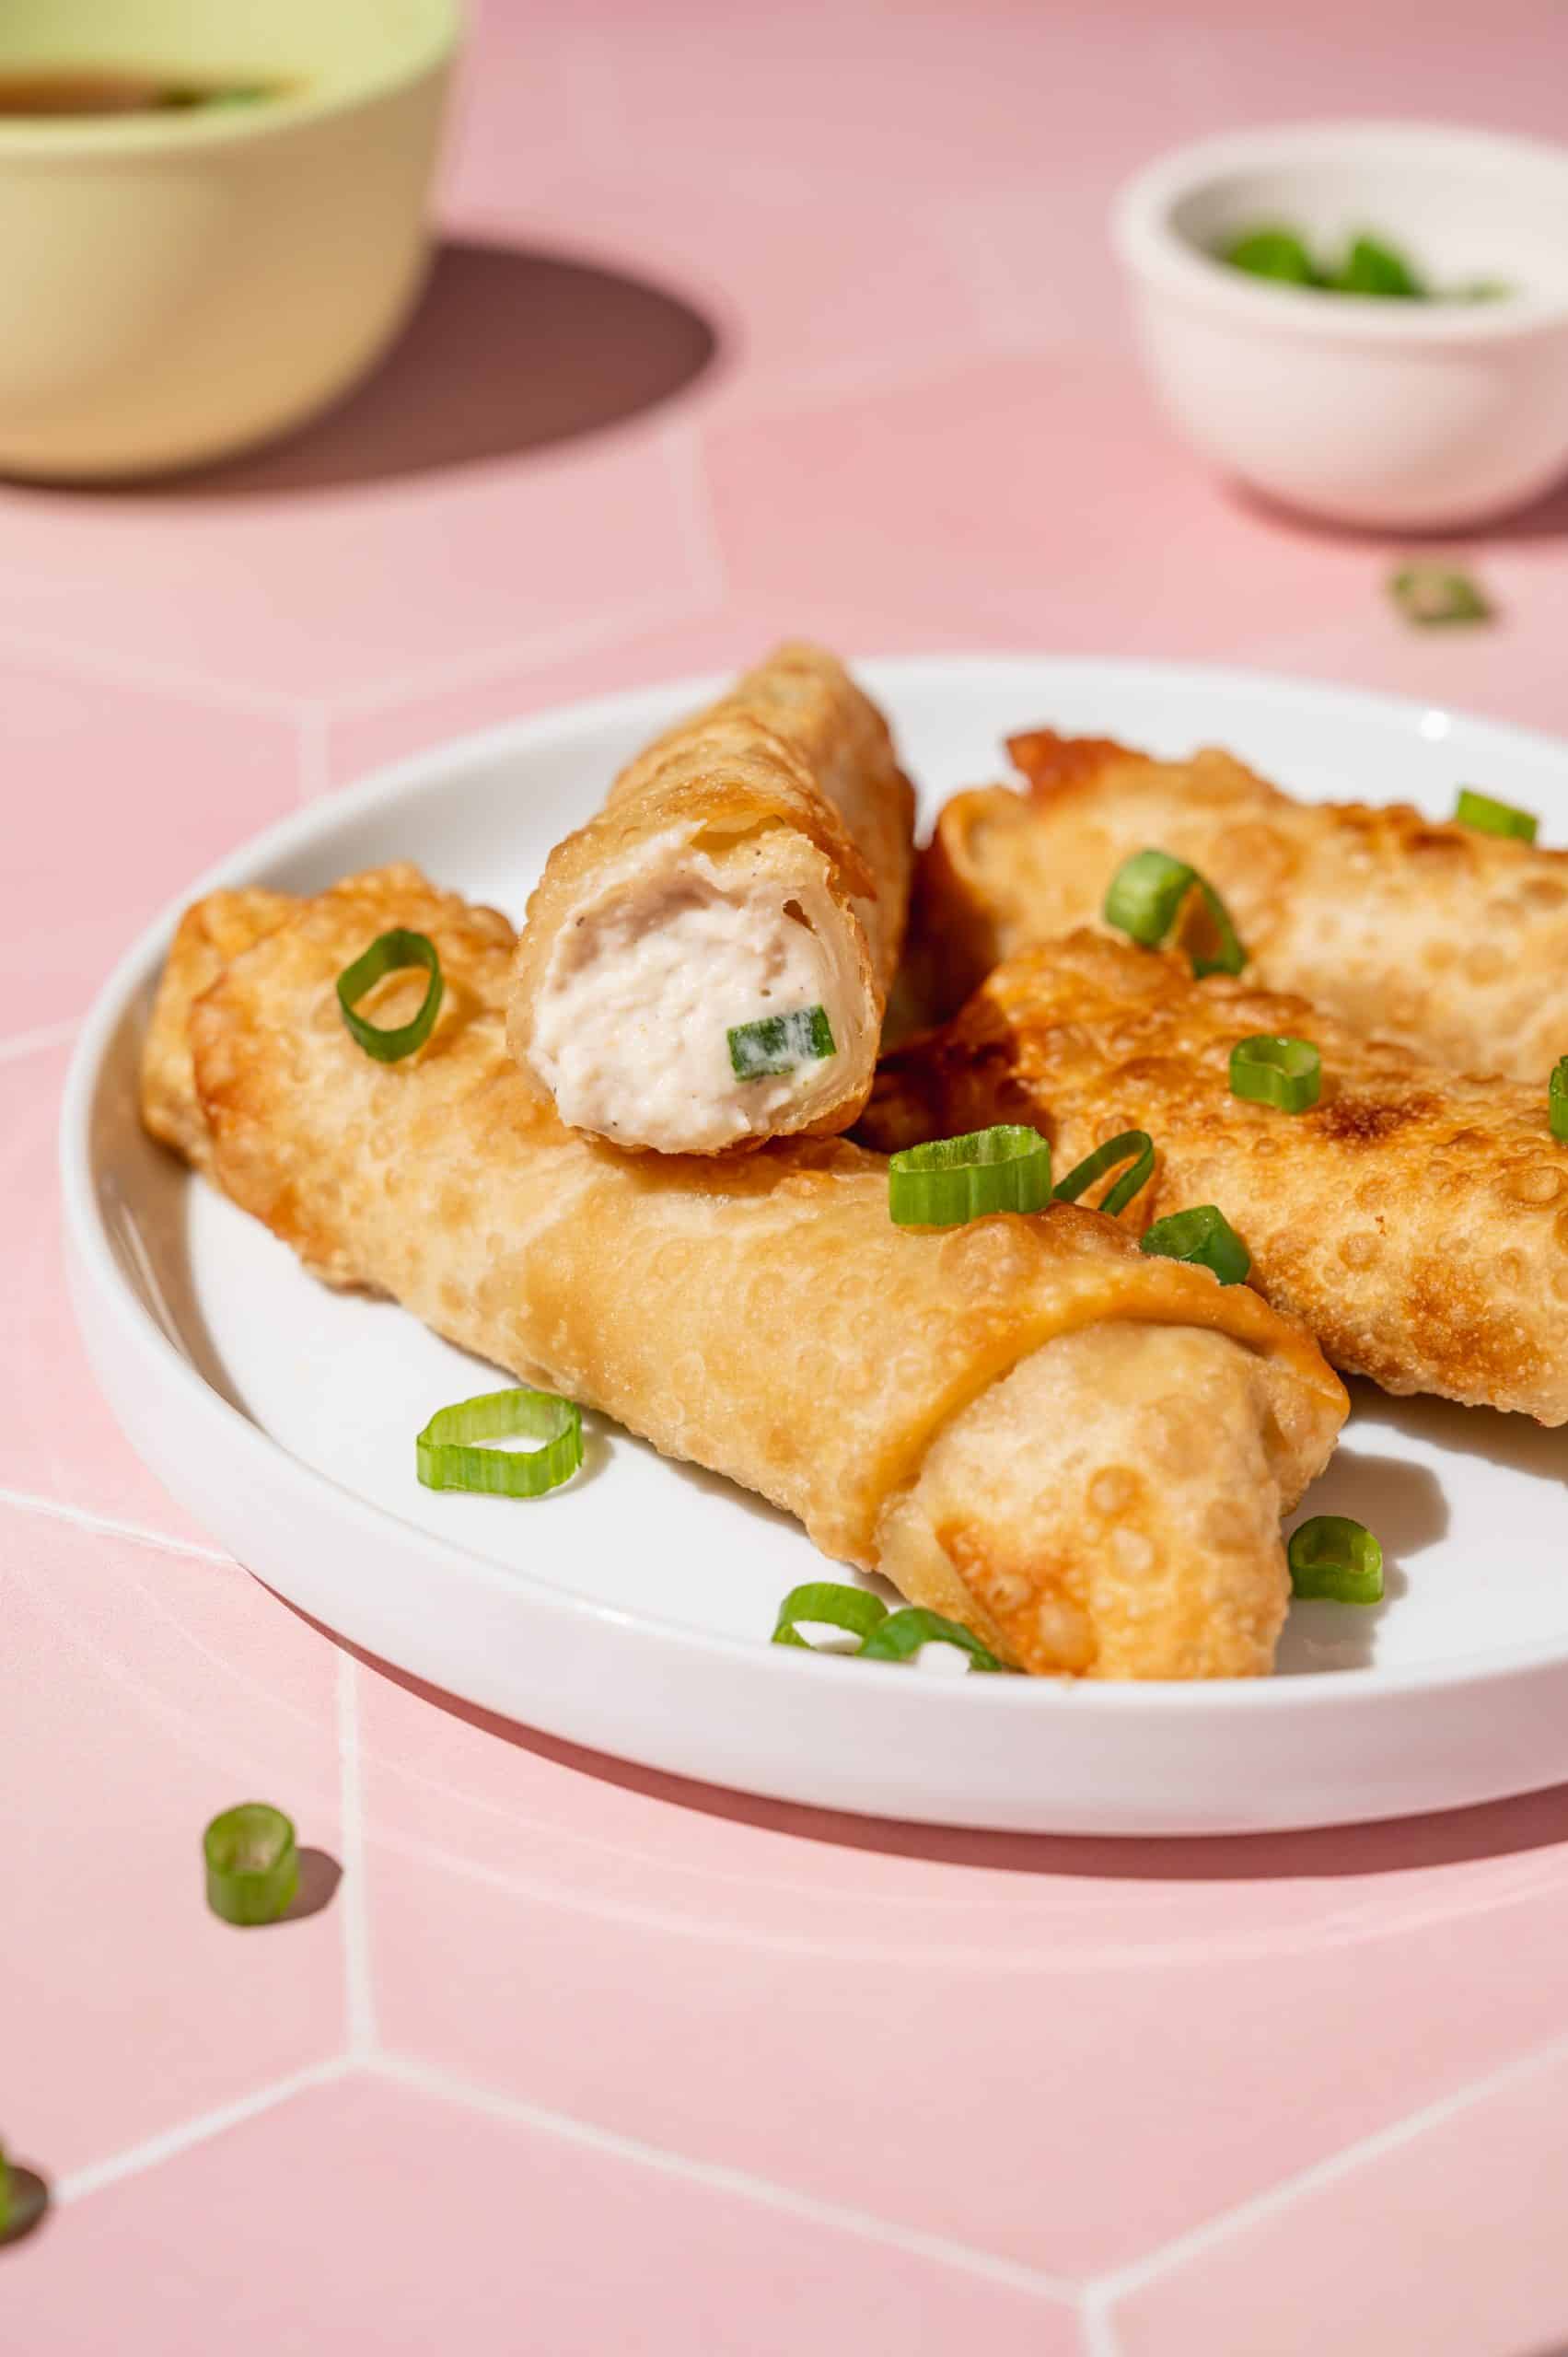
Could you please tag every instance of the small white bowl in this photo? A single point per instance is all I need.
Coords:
(1414, 416)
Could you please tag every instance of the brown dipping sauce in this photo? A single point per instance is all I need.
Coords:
(113, 90)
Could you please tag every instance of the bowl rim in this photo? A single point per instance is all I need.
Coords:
(1152, 250)
(46, 141)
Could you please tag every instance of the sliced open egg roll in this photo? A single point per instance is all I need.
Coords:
(1080, 1451)
(1447, 940)
(1415, 1219)
(706, 963)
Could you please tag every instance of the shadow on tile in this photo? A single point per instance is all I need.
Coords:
(1534, 1821)
(508, 351)
(320, 1874)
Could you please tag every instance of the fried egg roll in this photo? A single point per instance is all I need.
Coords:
(1416, 1220)
(1447, 941)
(748, 873)
(1081, 1451)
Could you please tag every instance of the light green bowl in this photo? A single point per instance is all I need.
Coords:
(178, 287)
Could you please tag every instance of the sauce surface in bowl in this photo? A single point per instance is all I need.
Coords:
(117, 89)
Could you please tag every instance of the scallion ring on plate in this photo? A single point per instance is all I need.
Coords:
(445, 1460)
(900, 1636)
(1151, 896)
(1557, 1099)
(1332, 1557)
(832, 1603)
(1203, 1236)
(1132, 1146)
(1486, 816)
(1270, 1068)
(777, 1043)
(955, 1179)
(389, 953)
(253, 1865)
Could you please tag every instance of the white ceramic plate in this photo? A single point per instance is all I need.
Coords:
(631, 1610)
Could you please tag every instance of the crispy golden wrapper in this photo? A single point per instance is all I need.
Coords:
(1080, 1451)
(1416, 1220)
(788, 785)
(1449, 942)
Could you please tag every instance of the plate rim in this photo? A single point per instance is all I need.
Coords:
(88, 1243)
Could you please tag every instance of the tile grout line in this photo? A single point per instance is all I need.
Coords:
(1102, 2292)
(84, 1518)
(47, 1035)
(719, 2177)
(519, 656)
(172, 2141)
(359, 1994)
(71, 658)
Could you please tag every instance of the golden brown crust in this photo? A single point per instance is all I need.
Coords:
(209, 934)
(1414, 1219)
(1445, 940)
(762, 1316)
(794, 755)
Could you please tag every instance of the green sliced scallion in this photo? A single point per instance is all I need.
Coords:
(1203, 1236)
(253, 1865)
(1557, 1099)
(24, 2197)
(1373, 268)
(1332, 1557)
(1272, 1069)
(831, 1603)
(1132, 1146)
(389, 953)
(1432, 595)
(780, 1043)
(1489, 818)
(900, 1636)
(956, 1180)
(446, 1460)
(1151, 896)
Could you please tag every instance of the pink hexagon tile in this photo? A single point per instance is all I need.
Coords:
(365, 2215)
(1108, 2019)
(159, 1689)
(116, 795)
(58, 1440)
(305, 576)
(1445, 2241)
(723, 637)
(1036, 496)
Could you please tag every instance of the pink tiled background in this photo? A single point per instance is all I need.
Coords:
(576, 2058)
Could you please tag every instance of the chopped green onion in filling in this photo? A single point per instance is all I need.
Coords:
(956, 1180)
(832, 1604)
(253, 1865)
(1489, 818)
(1432, 595)
(1151, 895)
(1203, 1236)
(446, 1460)
(1332, 1556)
(1134, 1145)
(900, 1636)
(389, 953)
(1557, 1099)
(1272, 1069)
(780, 1043)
